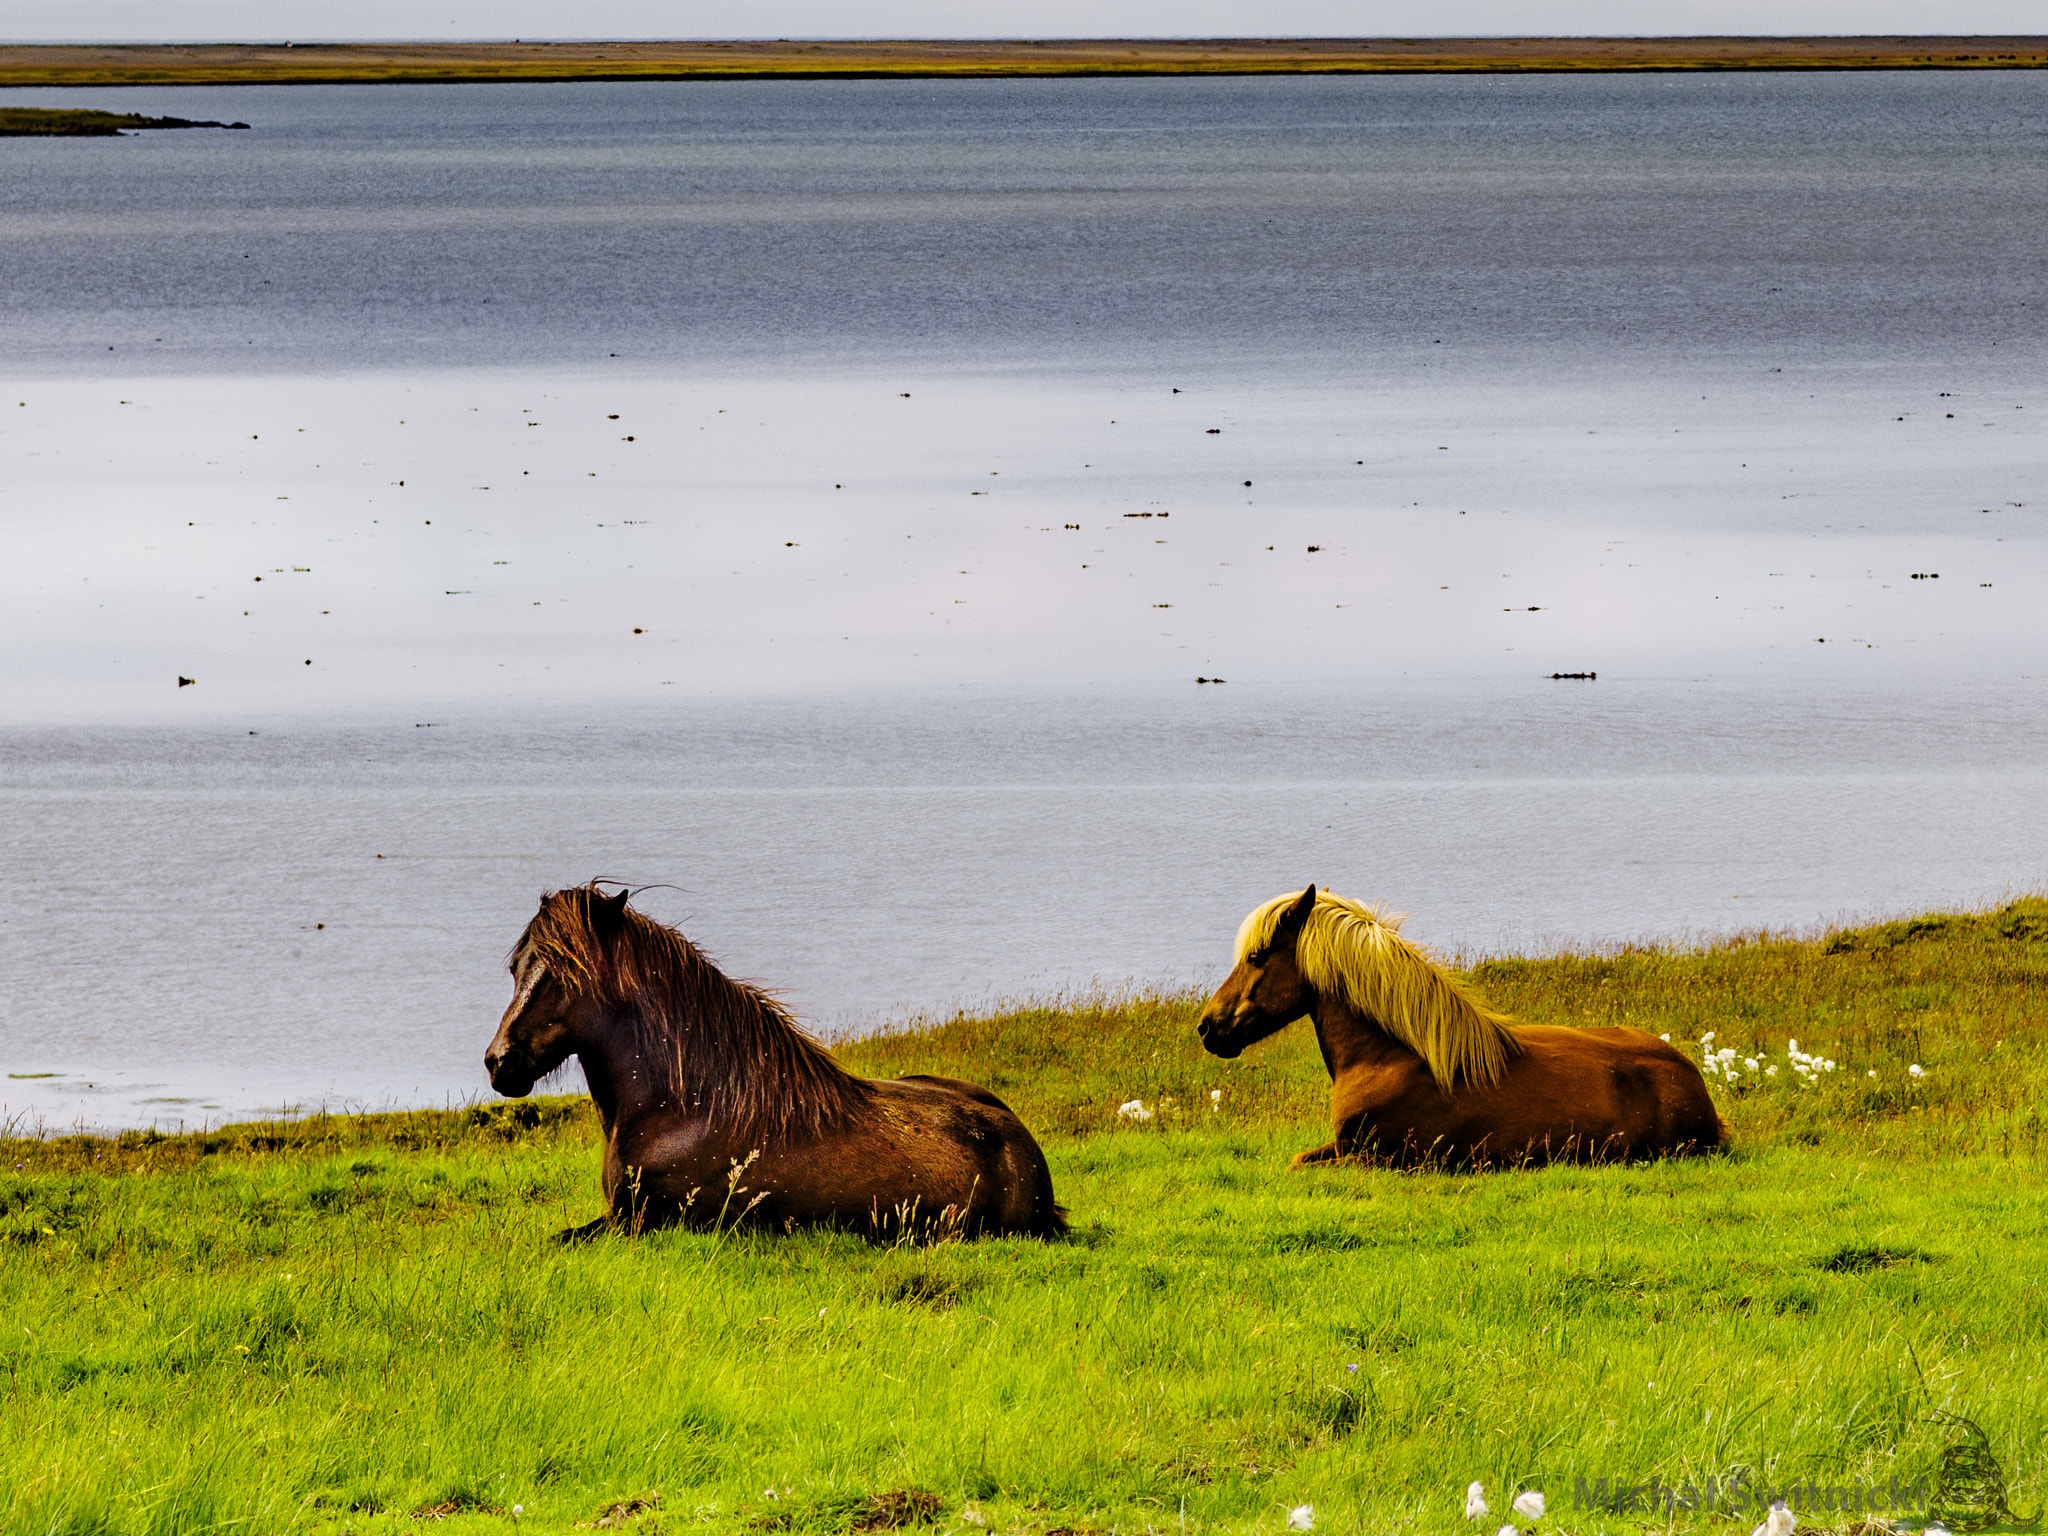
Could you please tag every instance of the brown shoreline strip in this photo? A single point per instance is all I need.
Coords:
(368, 63)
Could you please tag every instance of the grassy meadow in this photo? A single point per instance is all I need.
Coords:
(358, 1324)
(82, 64)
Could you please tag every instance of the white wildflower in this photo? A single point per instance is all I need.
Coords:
(1707, 1038)
(518, 1510)
(1301, 1518)
(1779, 1522)
(1475, 1501)
(1215, 1100)
(1529, 1505)
(1665, 1038)
(1914, 1070)
(973, 1516)
(1751, 1062)
(1135, 1110)
(1771, 1070)
(1507, 1530)
(1934, 1528)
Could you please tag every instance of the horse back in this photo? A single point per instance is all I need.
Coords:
(1652, 1094)
(1587, 1095)
(1013, 1168)
(969, 1090)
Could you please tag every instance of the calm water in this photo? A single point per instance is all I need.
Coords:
(1299, 224)
(823, 498)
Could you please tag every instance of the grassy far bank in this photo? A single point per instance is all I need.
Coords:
(356, 1324)
(40, 122)
(271, 63)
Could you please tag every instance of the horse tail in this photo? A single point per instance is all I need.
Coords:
(1712, 1131)
(1720, 1136)
(1028, 1205)
(1692, 1123)
(1047, 1218)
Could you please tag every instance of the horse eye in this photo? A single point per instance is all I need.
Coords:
(1256, 958)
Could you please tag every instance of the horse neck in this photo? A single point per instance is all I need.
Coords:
(724, 1051)
(1351, 1041)
(614, 1068)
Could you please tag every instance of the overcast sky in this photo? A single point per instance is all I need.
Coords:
(265, 20)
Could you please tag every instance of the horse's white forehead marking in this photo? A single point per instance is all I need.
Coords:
(527, 970)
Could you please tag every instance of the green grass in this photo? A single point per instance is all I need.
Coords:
(357, 1324)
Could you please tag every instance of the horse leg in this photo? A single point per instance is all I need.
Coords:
(586, 1232)
(1328, 1152)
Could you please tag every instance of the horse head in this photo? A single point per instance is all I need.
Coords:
(553, 1007)
(1264, 991)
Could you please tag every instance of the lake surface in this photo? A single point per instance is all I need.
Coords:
(1299, 223)
(824, 498)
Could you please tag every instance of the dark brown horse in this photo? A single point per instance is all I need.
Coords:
(1422, 1072)
(717, 1108)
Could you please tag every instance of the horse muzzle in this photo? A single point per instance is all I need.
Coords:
(508, 1076)
(1216, 1037)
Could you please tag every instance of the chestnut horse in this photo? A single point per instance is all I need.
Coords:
(717, 1108)
(1422, 1072)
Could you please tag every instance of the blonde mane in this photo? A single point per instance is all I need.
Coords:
(1357, 953)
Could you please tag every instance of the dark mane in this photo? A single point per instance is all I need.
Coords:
(722, 1046)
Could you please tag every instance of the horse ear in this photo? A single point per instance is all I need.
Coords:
(607, 913)
(1291, 920)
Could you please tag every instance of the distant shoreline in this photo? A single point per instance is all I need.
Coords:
(57, 123)
(66, 64)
